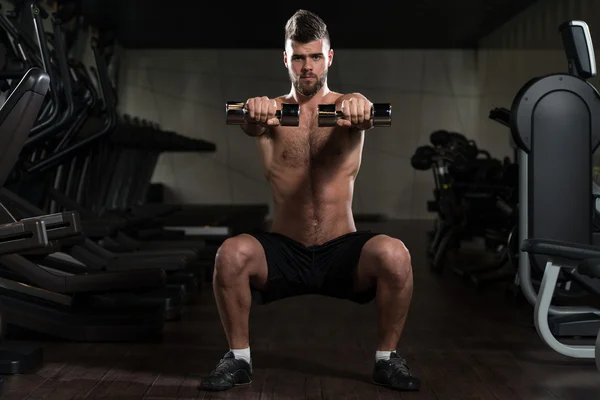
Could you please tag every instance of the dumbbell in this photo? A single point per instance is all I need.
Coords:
(423, 158)
(235, 113)
(439, 138)
(381, 114)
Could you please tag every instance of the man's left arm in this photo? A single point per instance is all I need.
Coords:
(357, 111)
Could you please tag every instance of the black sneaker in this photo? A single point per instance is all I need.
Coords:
(395, 374)
(229, 372)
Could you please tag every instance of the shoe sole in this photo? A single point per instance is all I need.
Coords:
(403, 389)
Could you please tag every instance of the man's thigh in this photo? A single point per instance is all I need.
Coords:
(288, 265)
(341, 263)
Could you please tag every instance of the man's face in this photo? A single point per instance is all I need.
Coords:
(307, 65)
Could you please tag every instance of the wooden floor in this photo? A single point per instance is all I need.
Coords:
(463, 343)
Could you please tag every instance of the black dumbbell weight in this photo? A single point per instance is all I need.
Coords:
(236, 111)
(381, 114)
(423, 158)
(439, 138)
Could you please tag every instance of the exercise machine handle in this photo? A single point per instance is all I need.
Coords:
(577, 43)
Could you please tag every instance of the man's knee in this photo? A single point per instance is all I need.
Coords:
(390, 258)
(234, 257)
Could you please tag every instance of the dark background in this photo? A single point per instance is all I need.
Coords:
(418, 24)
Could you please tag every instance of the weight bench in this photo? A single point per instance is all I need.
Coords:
(585, 259)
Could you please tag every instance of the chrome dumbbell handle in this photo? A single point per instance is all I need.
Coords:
(236, 113)
(381, 114)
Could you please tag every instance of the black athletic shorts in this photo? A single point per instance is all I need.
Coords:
(327, 269)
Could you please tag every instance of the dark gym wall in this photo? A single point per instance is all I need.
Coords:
(185, 90)
(529, 44)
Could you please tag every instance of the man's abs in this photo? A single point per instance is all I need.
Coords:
(312, 211)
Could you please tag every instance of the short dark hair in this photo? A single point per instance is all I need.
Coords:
(305, 26)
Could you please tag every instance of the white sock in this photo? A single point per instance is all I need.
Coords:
(383, 355)
(242, 354)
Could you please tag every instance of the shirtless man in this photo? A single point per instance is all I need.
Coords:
(313, 246)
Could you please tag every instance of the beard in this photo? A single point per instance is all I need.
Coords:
(305, 88)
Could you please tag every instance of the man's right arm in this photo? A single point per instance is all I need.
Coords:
(254, 130)
(261, 116)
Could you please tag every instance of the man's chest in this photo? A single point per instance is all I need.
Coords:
(310, 145)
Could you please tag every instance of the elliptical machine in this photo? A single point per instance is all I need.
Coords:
(555, 122)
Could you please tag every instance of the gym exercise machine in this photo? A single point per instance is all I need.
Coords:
(17, 114)
(73, 274)
(555, 122)
(40, 298)
(474, 196)
(69, 302)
